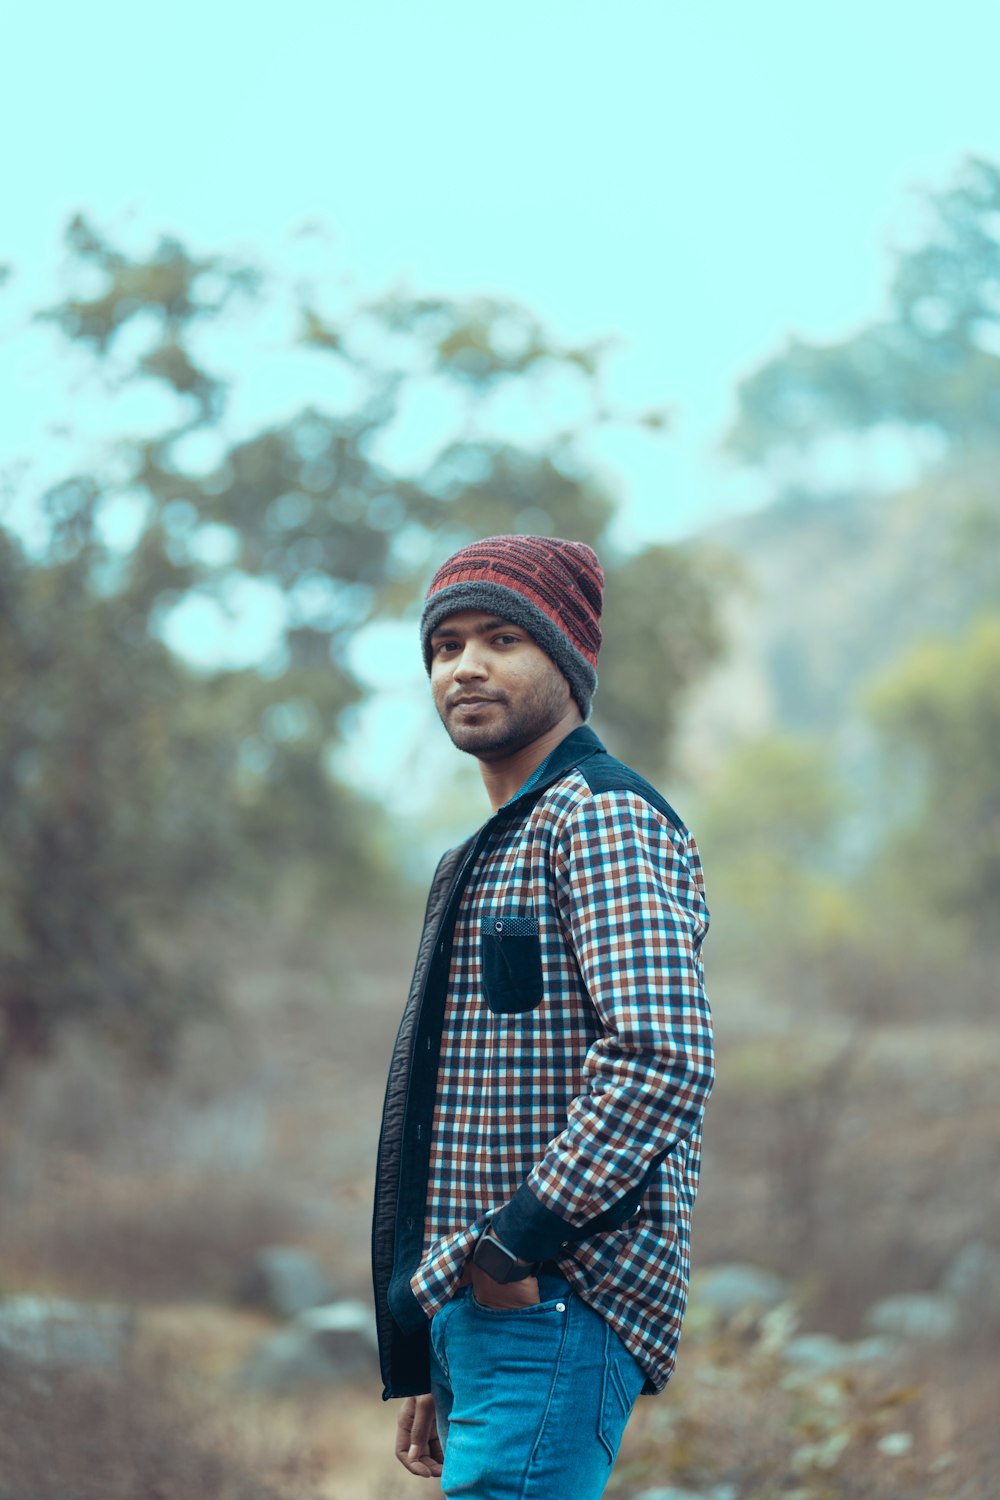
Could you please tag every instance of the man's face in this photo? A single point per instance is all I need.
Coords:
(495, 689)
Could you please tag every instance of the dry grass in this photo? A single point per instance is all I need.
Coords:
(101, 1438)
(137, 1239)
(267, 1133)
(904, 1175)
(916, 1428)
(921, 1427)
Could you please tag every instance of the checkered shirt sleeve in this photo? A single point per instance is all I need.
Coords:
(630, 895)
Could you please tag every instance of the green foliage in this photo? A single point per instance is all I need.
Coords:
(917, 918)
(661, 633)
(768, 831)
(480, 341)
(110, 828)
(904, 911)
(938, 713)
(171, 289)
(308, 505)
(933, 364)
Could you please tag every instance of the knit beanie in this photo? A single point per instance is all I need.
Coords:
(550, 587)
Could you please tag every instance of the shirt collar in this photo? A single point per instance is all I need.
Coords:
(579, 745)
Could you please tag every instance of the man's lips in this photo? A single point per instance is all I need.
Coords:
(472, 702)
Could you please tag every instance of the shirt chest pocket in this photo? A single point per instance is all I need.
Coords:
(511, 963)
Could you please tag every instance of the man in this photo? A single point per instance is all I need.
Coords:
(540, 1142)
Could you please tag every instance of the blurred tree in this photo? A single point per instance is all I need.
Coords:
(137, 792)
(768, 829)
(309, 506)
(129, 805)
(789, 932)
(661, 632)
(938, 712)
(933, 365)
(107, 828)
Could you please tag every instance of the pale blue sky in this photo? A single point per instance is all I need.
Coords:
(696, 181)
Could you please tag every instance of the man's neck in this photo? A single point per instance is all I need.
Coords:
(504, 778)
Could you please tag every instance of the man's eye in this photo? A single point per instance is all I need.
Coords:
(506, 639)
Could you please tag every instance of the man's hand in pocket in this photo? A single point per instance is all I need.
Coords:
(504, 1296)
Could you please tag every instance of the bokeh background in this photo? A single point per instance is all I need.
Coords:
(293, 303)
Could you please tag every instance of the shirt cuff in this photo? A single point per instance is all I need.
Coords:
(529, 1229)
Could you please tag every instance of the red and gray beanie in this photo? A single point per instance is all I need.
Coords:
(550, 587)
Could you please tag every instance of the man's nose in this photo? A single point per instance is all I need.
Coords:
(470, 663)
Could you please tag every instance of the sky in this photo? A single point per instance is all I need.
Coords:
(696, 182)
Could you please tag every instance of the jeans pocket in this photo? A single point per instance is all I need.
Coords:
(529, 1309)
(623, 1380)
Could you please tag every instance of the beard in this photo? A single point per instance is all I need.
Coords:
(500, 729)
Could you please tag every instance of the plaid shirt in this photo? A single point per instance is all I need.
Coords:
(574, 1052)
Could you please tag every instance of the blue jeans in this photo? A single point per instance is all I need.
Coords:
(532, 1403)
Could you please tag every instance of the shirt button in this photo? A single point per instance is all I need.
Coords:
(560, 1307)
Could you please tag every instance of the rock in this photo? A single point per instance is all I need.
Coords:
(816, 1352)
(972, 1282)
(284, 1280)
(717, 1492)
(57, 1334)
(820, 1353)
(924, 1316)
(324, 1346)
(732, 1289)
(895, 1444)
(870, 1350)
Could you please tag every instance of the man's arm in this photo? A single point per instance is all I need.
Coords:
(631, 900)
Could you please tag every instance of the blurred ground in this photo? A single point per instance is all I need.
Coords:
(156, 1193)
